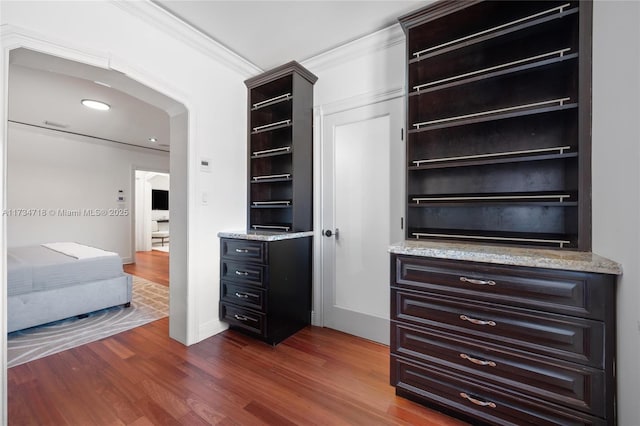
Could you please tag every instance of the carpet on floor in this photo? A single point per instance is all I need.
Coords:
(150, 302)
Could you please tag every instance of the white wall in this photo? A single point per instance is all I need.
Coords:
(355, 74)
(63, 176)
(616, 178)
(142, 41)
(160, 181)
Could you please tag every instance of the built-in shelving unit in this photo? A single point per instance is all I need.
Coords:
(498, 122)
(280, 149)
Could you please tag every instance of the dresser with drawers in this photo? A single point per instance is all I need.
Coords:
(521, 343)
(265, 283)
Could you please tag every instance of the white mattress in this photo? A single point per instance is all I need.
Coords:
(35, 268)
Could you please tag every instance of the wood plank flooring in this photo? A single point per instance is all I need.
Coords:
(151, 265)
(142, 377)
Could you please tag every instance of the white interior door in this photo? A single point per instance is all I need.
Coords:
(362, 209)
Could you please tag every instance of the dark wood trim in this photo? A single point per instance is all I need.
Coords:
(433, 11)
(281, 71)
(585, 125)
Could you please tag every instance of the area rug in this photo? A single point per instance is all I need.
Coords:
(150, 302)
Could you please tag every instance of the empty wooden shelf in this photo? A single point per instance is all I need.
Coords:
(498, 117)
(280, 149)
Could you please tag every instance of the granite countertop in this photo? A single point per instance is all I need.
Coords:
(533, 257)
(264, 235)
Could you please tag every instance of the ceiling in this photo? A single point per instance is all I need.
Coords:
(45, 91)
(270, 33)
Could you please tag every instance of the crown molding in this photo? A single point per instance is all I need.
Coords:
(379, 40)
(282, 70)
(14, 37)
(166, 22)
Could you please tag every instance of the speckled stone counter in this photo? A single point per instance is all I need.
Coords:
(537, 258)
(264, 236)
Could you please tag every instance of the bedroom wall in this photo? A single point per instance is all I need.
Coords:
(144, 42)
(66, 175)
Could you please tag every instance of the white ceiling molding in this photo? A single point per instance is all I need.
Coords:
(14, 37)
(168, 23)
(380, 40)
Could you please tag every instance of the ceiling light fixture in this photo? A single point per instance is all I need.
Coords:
(153, 140)
(101, 106)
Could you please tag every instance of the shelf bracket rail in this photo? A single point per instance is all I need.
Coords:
(558, 9)
(560, 102)
(276, 98)
(560, 243)
(560, 53)
(559, 149)
(266, 126)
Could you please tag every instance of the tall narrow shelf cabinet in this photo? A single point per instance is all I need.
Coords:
(266, 271)
(280, 111)
(498, 123)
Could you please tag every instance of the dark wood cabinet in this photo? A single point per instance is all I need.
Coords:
(265, 272)
(280, 113)
(265, 286)
(498, 122)
(501, 344)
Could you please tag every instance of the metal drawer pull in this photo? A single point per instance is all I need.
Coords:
(479, 282)
(477, 401)
(247, 251)
(477, 321)
(245, 295)
(243, 273)
(477, 361)
(243, 318)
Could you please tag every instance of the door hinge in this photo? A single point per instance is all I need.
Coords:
(402, 134)
(402, 223)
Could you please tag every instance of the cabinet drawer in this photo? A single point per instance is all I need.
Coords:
(430, 384)
(240, 250)
(243, 318)
(246, 273)
(575, 339)
(248, 296)
(566, 292)
(563, 383)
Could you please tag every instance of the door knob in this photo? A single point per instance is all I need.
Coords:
(329, 233)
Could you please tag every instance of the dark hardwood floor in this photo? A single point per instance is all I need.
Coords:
(142, 377)
(151, 265)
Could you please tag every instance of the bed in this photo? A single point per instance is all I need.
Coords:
(54, 281)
